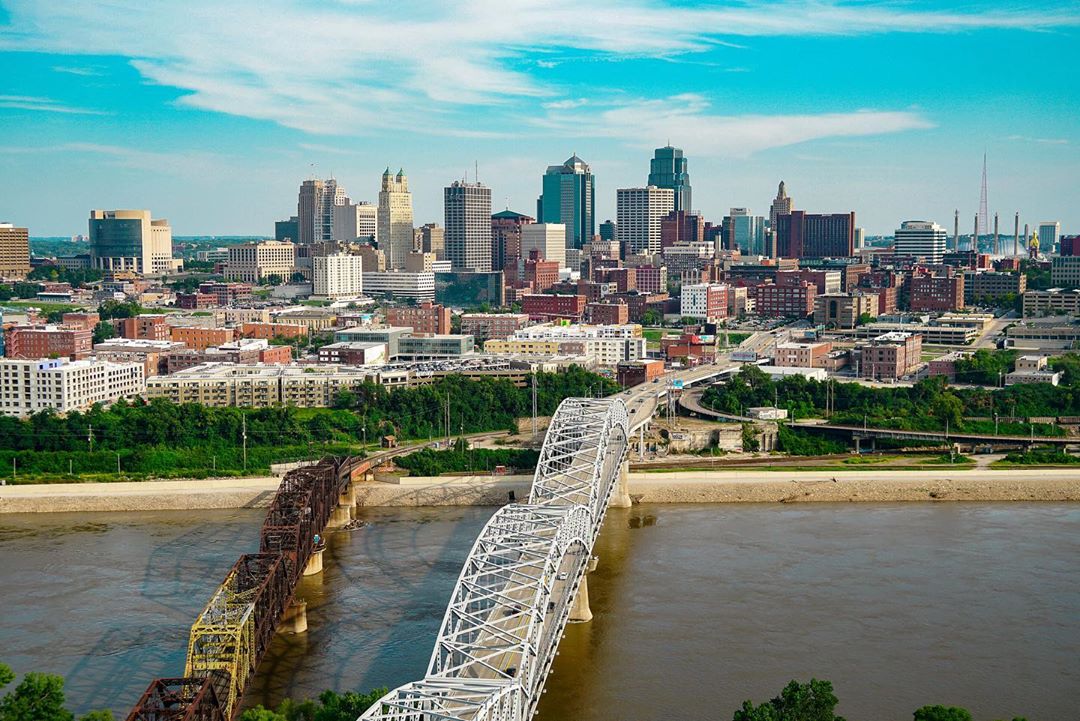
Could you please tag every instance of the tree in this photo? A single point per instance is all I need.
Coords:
(38, 697)
(119, 309)
(813, 701)
(865, 318)
(651, 317)
(297, 277)
(942, 713)
(272, 279)
(103, 331)
(344, 400)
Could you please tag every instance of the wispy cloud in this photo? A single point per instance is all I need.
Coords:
(1041, 141)
(45, 105)
(349, 68)
(82, 70)
(688, 117)
(184, 163)
(566, 104)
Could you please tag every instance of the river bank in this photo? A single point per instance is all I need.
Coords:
(745, 486)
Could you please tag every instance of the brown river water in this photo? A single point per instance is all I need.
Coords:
(697, 607)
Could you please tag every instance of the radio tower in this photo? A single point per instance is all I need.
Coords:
(984, 216)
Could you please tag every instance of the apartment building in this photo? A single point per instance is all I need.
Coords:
(549, 307)
(252, 262)
(49, 341)
(890, 356)
(202, 338)
(427, 317)
(31, 386)
(802, 355)
(706, 301)
(487, 326)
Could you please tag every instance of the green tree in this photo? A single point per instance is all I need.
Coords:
(38, 697)
(942, 713)
(813, 701)
(119, 309)
(651, 317)
(297, 277)
(865, 318)
(103, 331)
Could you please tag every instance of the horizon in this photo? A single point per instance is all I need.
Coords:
(211, 116)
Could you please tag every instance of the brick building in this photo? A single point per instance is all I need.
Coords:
(550, 307)
(427, 317)
(788, 297)
(273, 330)
(936, 293)
(142, 327)
(634, 373)
(608, 313)
(802, 355)
(196, 301)
(488, 326)
(202, 338)
(890, 356)
(843, 310)
(50, 341)
(86, 321)
(651, 279)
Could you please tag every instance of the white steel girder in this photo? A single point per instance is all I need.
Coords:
(512, 599)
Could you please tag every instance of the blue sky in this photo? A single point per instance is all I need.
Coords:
(211, 113)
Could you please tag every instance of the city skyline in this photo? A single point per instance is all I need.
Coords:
(138, 109)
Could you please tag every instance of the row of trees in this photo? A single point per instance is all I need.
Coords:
(929, 404)
(815, 701)
(474, 405)
(462, 459)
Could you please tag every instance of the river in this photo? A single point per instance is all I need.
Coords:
(697, 608)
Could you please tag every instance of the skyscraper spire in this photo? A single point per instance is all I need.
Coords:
(984, 216)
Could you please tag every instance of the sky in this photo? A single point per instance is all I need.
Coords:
(211, 114)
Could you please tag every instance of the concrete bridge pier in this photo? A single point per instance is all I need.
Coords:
(641, 443)
(580, 611)
(314, 562)
(294, 620)
(620, 496)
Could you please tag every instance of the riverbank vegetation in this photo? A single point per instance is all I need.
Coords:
(39, 697)
(163, 439)
(815, 701)
(329, 706)
(928, 405)
(462, 459)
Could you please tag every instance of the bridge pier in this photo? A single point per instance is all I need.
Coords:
(294, 620)
(580, 611)
(620, 496)
(340, 516)
(314, 562)
(641, 443)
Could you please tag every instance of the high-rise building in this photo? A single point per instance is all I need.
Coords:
(356, 222)
(548, 239)
(747, 232)
(338, 275)
(679, 226)
(569, 197)
(287, 230)
(921, 239)
(130, 240)
(14, 252)
(467, 207)
(252, 262)
(607, 230)
(668, 170)
(804, 235)
(315, 209)
(395, 227)
(781, 205)
(1049, 235)
(506, 228)
(433, 240)
(639, 212)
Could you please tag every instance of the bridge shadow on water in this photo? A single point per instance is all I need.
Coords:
(375, 610)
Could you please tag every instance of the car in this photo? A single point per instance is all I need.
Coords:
(563, 576)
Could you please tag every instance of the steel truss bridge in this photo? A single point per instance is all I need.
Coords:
(517, 589)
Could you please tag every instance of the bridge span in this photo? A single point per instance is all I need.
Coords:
(524, 578)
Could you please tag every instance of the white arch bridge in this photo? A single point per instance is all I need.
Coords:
(519, 585)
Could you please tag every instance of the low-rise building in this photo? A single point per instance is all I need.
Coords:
(86, 321)
(1053, 334)
(890, 356)
(1032, 369)
(843, 310)
(609, 345)
(432, 347)
(269, 331)
(487, 326)
(31, 386)
(634, 373)
(991, 286)
(946, 364)
(1056, 301)
(608, 313)
(152, 354)
(546, 307)
(143, 327)
(197, 338)
(426, 317)
(937, 293)
(316, 320)
(705, 301)
(48, 341)
(802, 355)
(400, 284)
(793, 299)
(353, 353)
(390, 337)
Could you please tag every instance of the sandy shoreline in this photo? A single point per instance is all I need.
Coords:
(743, 486)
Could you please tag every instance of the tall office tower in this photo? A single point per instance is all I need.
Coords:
(395, 227)
(860, 238)
(355, 222)
(569, 197)
(338, 275)
(678, 226)
(803, 235)
(921, 239)
(433, 240)
(638, 214)
(130, 240)
(315, 208)
(667, 169)
(287, 229)
(1049, 235)
(607, 230)
(506, 228)
(14, 252)
(747, 232)
(467, 207)
(781, 205)
(547, 238)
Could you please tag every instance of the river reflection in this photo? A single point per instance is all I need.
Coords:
(696, 608)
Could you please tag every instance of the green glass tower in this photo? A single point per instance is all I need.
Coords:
(569, 197)
(668, 170)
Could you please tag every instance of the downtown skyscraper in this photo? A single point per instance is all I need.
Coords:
(395, 219)
(315, 209)
(668, 170)
(467, 210)
(569, 197)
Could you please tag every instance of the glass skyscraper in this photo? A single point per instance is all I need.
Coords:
(569, 197)
(668, 170)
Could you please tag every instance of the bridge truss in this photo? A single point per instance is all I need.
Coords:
(513, 599)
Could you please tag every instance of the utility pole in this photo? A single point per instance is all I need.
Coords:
(243, 426)
(447, 419)
(90, 436)
(118, 463)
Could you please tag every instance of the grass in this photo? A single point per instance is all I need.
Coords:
(947, 460)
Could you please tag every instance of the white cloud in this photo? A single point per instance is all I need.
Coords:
(45, 105)
(1041, 141)
(84, 71)
(350, 67)
(566, 104)
(687, 119)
